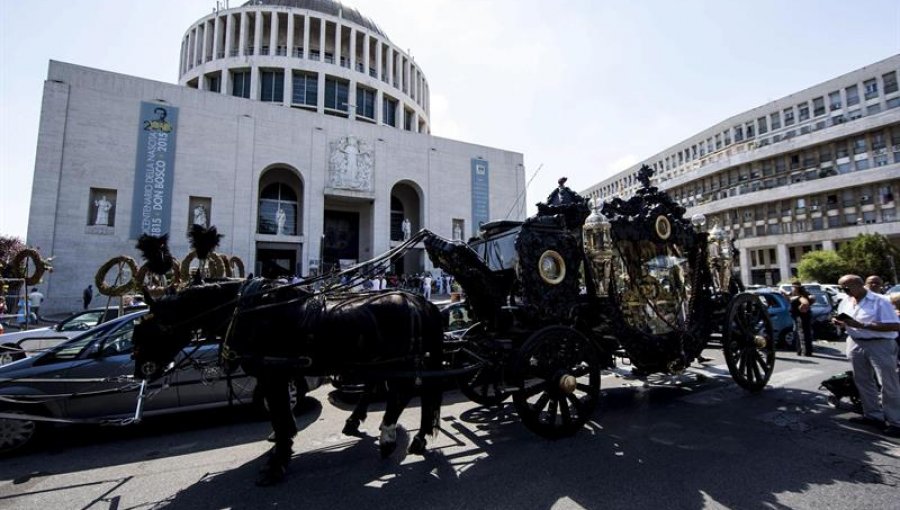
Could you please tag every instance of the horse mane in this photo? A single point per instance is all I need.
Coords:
(204, 305)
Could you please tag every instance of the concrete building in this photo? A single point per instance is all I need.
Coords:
(297, 129)
(805, 172)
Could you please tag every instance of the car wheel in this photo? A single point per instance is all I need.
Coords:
(10, 353)
(16, 434)
(296, 391)
(786, 339)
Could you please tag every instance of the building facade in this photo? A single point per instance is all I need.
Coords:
(805, 172)
(297, 129)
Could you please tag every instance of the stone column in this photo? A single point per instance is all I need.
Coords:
(745, 265)
(337, 44)
(290, 35)
(379, 98)
(784, 261)
(322, 40)
(305, 54)
(320, 97)
(288, 85)
(352, 52)
(379, 59)
(366, 58)
(242, 40)
(257, 34)
(828, 245)
(217, 30)
(254, 82)
(229, 34)
(273, 35)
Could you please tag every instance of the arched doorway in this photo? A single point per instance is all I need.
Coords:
(279, 223)
(406, 206)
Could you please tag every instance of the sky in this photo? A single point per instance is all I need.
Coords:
(582, 88)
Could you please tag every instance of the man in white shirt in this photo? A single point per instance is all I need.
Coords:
(872, 326)
(426, 286)
(34, 302)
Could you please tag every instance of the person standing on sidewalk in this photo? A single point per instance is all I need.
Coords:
(87, 296)
(801, 312)
(34, 302)
(872, 326)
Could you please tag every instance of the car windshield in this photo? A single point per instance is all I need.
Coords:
(82, 322)
(73, 348)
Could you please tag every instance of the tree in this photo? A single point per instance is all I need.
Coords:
(870, 254)
(822, 266)
(10, 246)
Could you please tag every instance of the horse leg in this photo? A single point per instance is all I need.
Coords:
(359, 414)
(431, 410)
(274, 388)
(398, 397)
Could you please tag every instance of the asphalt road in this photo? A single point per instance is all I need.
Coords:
(693, 441)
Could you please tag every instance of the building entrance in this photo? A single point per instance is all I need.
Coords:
(272, 263)
(341, 239)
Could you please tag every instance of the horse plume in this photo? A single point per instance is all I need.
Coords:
(204, 240)
(155, 250)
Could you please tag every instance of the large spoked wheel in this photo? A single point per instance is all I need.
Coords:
(748, 342)
(558, 369)
(485, 384)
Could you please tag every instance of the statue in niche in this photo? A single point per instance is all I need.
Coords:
(406, 228)
(200, 216)
(280, 218)
(103, 206)
(350, 165)
(457, 232)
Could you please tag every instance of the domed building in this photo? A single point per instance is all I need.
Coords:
(296, 128)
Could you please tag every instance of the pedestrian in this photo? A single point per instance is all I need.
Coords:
(426, 286)
(872, 326)
(875, 284)
(34, 301)
(801, 312)
(87, 296)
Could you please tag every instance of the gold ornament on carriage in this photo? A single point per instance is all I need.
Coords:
(552, 267)
(663, 227)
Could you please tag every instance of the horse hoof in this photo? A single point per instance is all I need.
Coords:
(351, 428)
(387, 449)
(417, 446)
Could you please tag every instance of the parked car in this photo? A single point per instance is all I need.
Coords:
(823, 307)
(786, 287)
(96, 367)
(779, 308)
(893, 290)
(17, 345)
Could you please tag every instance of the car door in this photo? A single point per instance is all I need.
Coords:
(100, 383)
(202, 380)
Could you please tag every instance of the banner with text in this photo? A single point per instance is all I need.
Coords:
(481, 194)
(154, 170)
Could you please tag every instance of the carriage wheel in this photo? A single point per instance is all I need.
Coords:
(558, 369)
(485, 385)
(749, 343)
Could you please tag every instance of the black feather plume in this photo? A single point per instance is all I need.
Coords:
(155, 250)
(204, 240)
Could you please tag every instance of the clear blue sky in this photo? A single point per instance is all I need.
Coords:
(584, 87)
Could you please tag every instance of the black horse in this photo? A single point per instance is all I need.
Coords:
(276, 332)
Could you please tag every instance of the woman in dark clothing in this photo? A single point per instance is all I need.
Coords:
(801, 312)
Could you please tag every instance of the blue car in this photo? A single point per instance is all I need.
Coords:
(779, 308)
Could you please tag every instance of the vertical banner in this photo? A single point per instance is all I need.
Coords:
(480, 194)
(154, 170)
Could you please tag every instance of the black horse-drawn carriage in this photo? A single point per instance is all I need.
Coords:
(565, 293)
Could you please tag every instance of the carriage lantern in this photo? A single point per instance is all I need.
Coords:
(598, 245)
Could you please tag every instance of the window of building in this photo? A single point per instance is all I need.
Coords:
(788, 116)
(892, 103)
(871, 88)
(818, 106)
(336, 94)
(365, 102)
(850, 219)
(818, 223)
(803, 111)
(843, 168)
(775, 119)
(854, 114)
(738, 133)
(863, 164)
(278, 206)
(852, 95)
(214, 82)
(389, 111)
(407, 119)
(841, 149)
(718, 142)
(872, 109)
(890, 82)
(271, 86)
(240, 84)
(881, 160)
(305, 89)
(859, 145)
(748, 130)
(727, 138)
(889, 214)
(835, 99)
(761, 125)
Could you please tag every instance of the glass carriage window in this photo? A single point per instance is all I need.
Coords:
(272, 86)
(274, 198)
(240, 84)
(336, 94)
(305, 89)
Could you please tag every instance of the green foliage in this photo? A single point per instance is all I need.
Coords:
(870, 254)
(9, 247)
(822, 266)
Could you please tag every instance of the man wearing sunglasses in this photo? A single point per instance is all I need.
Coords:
(872, 327)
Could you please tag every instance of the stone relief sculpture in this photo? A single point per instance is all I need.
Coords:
(200, 216)
(351, 164)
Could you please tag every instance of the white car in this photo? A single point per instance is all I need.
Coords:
(19, 344)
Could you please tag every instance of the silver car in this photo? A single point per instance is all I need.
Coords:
(88, 380)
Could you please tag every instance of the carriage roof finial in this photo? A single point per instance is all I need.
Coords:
(644, 175)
